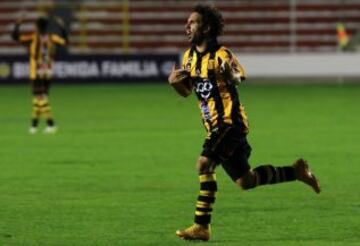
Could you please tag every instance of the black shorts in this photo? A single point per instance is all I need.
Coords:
(229, 147)
(40, 86)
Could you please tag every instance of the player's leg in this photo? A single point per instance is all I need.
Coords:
(35, 116)
(238, 168)
(200, 230)
(46, 109)
(47, 113)
(212, 154)
(269, 174)
(266, 174)
(41, 106)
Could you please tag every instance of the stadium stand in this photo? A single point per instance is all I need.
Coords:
(158, 25)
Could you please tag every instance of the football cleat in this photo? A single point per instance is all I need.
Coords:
(33, 130)
(195, 232)
(50, 129)
(304, 175)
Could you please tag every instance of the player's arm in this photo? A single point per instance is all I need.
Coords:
(231, 69)
(63, 31)
(15, 34)
(179, 79)
(24, 38)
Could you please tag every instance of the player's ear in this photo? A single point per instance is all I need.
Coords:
(206, 29)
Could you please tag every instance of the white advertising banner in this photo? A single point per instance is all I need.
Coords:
(345, 65)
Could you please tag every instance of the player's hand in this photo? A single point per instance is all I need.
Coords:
(21, 17)
(177, 75)
(230, 71)
(59, 21)
(179, 80)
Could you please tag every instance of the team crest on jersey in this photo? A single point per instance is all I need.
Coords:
(204, 88)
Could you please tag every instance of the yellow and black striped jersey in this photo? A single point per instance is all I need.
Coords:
(41, 49)
(218, 99)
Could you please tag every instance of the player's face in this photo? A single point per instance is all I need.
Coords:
(194, 29)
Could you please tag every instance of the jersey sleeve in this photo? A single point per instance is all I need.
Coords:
(185, 59)
(230, 57)
(186, 64)
(57, 39)
(26, 38)
(239, 68)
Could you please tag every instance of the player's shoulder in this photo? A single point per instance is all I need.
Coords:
(186, 56)
(28, 36)
(187, 52)
(57, 39)
(53, 35)
(223, 51)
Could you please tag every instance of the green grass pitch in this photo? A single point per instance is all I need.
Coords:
(121, 169)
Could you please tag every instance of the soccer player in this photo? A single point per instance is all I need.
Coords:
(41, 44)
(212, 71)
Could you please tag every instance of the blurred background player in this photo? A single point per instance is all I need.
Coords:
(213, 72)
(41, 45)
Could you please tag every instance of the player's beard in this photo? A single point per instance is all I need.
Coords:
(198, 38)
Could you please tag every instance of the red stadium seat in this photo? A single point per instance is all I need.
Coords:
(158, 26)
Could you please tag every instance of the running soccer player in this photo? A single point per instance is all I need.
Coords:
(212, 71)
(41, 46)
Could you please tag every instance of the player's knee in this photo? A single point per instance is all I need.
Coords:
(247, 181)
(204, 165)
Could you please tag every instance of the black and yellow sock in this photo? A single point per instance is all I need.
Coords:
(41, 107)
(34, 122)
(36, 112)
(45, 107)
(45, 111)
(269, 174)
(206, 199)
(50, 122)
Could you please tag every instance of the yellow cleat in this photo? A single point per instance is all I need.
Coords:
(195, 232)
(304, 174)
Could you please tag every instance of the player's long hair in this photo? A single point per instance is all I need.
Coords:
(212, 18)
